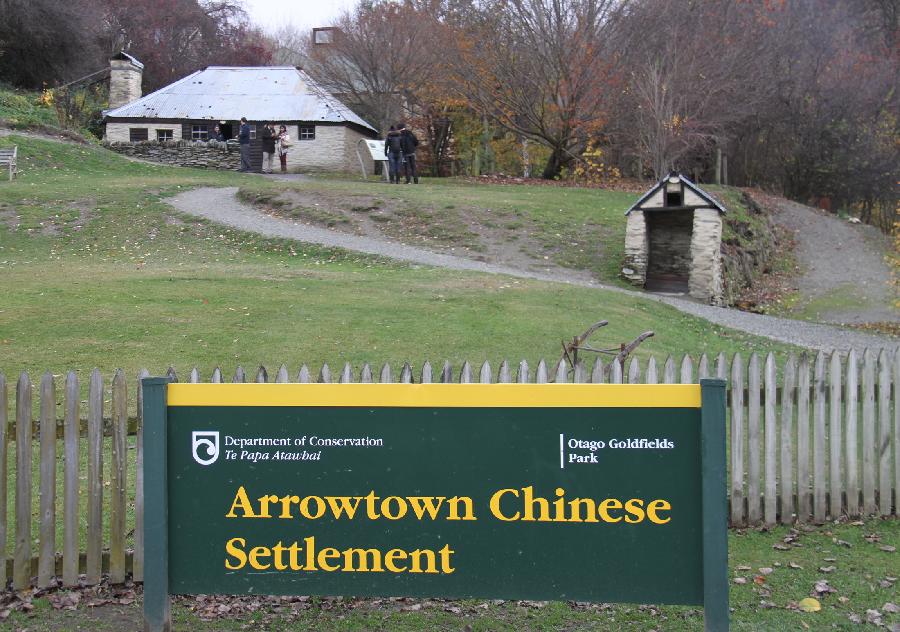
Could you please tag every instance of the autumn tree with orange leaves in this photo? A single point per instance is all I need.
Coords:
(541, 69)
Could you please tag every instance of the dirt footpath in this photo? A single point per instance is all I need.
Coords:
(222, 206)
(845, 277)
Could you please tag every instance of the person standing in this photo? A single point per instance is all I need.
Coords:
(393, 149)
(282, 145)
(244, 140)
(408, 144)
(268, 146)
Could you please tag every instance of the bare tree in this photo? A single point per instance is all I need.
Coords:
(541, 69)
(695, 71)
(377, 59)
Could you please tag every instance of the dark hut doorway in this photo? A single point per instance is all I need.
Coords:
(669, 250)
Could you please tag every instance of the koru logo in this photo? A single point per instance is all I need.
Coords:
(205, 441)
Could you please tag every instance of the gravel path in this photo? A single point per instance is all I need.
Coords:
(221, 205)
(840, 259)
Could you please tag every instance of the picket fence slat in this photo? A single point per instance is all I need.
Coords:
(769, 506)
(796, 448)
(597, 372)
(868, 433)
(22, 553)
(884, 432)
(687, 370)
(119, 450)
(787, 440)
(95, 479)
(652, 376)
(851, 387)
(819, 482)
(137, 562)
(669, 371)
(754, 438)
(896, 394)
(737, 440)
(4, 468)
(836, 486)
(47, 529)
(804, 504)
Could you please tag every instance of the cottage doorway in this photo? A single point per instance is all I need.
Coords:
(669, 250)
(227, 130)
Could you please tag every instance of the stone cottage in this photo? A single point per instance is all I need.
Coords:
(673, 240)
(324, 131)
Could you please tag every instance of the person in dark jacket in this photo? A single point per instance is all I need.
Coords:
(268, 146)
(408, 144)
(393, 149)
(244, 140)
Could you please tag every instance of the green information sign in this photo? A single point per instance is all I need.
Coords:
(612, 493)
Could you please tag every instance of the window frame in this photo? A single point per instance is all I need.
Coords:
(308, 135)
(134, 134)
(165, 132)
(199, 131)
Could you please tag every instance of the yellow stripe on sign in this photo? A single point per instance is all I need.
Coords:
(439, 395)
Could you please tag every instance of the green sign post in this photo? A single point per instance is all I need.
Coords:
(586, 492)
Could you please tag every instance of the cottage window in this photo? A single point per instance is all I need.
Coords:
(163, 135)
(673, 198)
(253, 132)
(200, 132)
(307, 133)
(137, 134)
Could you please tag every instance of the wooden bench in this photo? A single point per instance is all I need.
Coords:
(8, 160)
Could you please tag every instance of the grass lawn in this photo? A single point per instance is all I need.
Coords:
(854, 559)
(96, 270)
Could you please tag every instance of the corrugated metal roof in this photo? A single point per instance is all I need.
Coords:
(268, 93)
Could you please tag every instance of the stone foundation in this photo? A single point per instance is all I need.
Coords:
(706, 256)
(211, 155)
(635, 268)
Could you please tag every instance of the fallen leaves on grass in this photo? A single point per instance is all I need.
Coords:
(810, 605)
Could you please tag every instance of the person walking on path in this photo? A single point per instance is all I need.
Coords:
(408, 144)
(268, 146)
(282, 144)
(244, 141)
(393, 149)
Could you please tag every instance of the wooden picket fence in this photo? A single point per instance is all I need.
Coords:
(811, 439)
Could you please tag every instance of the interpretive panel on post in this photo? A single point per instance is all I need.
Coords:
(583, 492)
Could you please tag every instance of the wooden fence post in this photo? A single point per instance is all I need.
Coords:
(137, 562)
(787, 440)
(71, 484)
(47, 546)
(852, 443)
(754, 438)
(118, 479)
(737, 441)
(868, 434)
(95, 479)
(834, 436)
(22, 554)
(771, 434)
(884, 433)
(819, 482)
(4, 469)
(804, 506)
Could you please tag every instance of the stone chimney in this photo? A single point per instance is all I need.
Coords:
(125, 75)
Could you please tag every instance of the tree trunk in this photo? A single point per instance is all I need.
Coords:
(557, 160)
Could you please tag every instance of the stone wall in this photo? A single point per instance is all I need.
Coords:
(706, 267)
(635, 268)
(211, 155)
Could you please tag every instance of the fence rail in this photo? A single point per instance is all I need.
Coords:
(809, 439)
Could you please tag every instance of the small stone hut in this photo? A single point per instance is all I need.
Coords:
(673, 240)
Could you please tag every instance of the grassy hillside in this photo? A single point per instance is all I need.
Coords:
(23, 109)
(96, 270)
